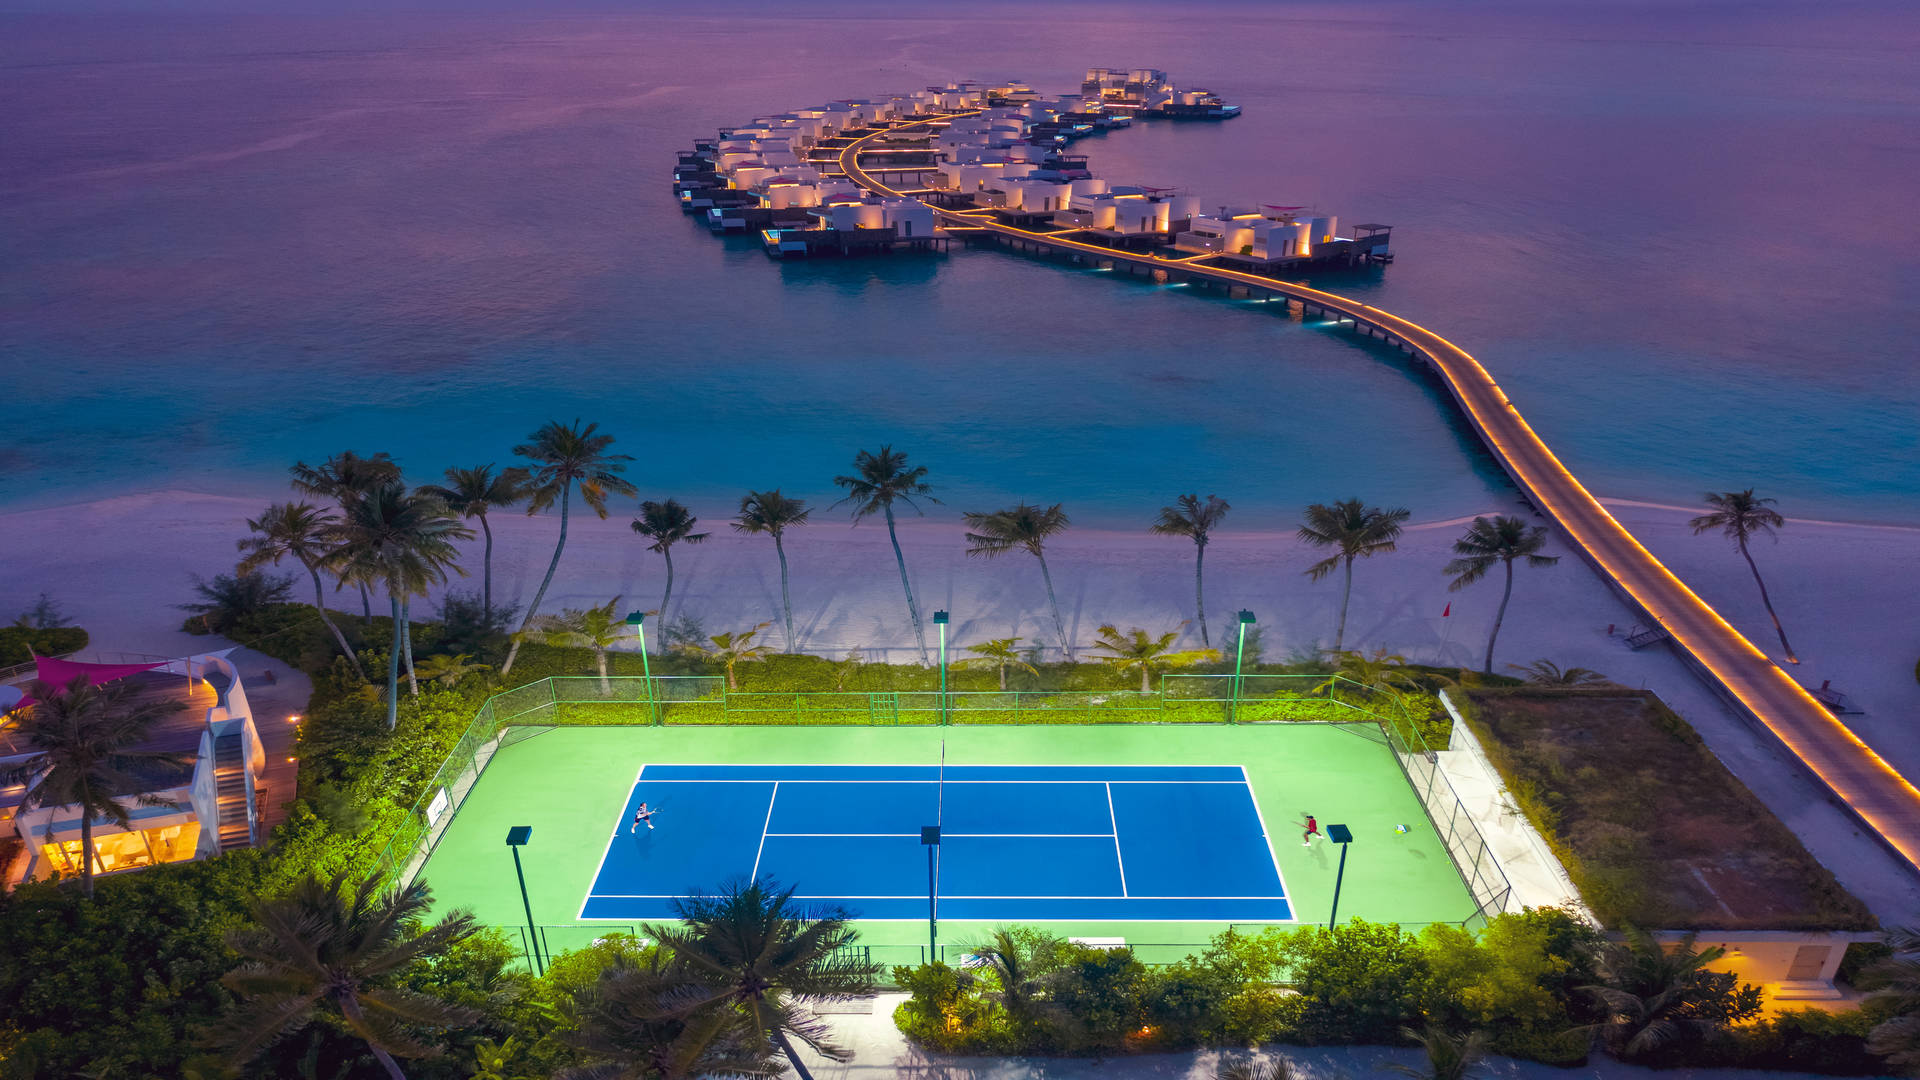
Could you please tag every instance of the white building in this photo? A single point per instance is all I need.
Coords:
(205, 805)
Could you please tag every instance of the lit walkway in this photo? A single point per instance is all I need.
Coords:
(1885, 800)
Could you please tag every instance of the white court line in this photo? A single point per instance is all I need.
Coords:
(611, 837)
(962, 836)
(1267, 836)
(1115, 821)
(923, 896)
(757, 852)
(933, 782)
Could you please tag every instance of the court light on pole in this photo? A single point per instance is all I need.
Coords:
(1240, 654)
(930, 839)
(517, 838)
(1343, 836)
(638, 620)
(940, 620)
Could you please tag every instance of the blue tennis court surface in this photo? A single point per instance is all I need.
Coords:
(1019, 842)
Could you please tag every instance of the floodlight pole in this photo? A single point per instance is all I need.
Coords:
(1240, 655)
(1343, 836)
(940, 620)
(517, 838)
(930, 839)
(638, 620)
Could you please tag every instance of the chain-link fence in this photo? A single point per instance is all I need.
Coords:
(706, 699)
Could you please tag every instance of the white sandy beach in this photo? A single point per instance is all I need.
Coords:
(1848, 594)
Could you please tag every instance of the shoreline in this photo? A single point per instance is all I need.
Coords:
(1846, 595)
(265, 492)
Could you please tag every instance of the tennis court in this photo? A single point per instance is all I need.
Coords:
(1016, 843)
(1203, 827)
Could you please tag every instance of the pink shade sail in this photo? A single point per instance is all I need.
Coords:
(61, 672)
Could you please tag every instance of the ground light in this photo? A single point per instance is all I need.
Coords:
(1233, 706)
(940, 620)
(1343, 836)
(517, 838)
(638, 620)
(930, 839)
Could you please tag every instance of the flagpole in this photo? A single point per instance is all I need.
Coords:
(1446, 632)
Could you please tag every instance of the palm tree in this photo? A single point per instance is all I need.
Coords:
(733, 648)
(1893, 984)
(471, 493)
(402, 541)
(666, 524)
(1548, 673)
(1134, 649)
(596, 628)
(1653, 997)
(1193, 518)
(76, 741)
(770, 961)
(653, 1019)
(1378, 670)
(772, 513)
(341, 477)
(297, 531)
(1011, 963)
(1022, 526)
(1449, 1056)
(878, 482)
(1355, 531)
(563, 456)
(451, 670)
(1739, 515)
(328, 948)
(998, 653)
(1491, 541)
(1276, 1068)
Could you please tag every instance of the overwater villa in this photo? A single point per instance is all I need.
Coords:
(969, 149)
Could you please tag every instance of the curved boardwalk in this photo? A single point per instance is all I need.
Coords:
(1877, 794)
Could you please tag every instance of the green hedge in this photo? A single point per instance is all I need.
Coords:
(20, 644)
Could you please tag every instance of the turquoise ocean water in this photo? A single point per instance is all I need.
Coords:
(1682, 239)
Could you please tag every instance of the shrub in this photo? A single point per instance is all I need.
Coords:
(946, 1011)
(1362, 982)
(20, 644)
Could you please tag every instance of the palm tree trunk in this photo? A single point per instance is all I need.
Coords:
(786, 600)
(1146, 679)
(1346, 594)
(86, 851)
(1003, 678)
(566, 494)
(1059, 628)
(406, 643)
(667, 554)
(393, 668)
(1764, 599)
(913, 612)
(1199, 593)
(786, 1047)
(350, 1008)
(486, 573)
(320, 601)
(1498, 618)
(600, 658)
(366, 603)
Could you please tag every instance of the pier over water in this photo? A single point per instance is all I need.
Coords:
(1863, 781)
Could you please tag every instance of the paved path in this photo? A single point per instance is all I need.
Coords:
(1878, 795)
(881, 1051)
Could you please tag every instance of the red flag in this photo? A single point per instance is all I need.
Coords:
(1449, 610)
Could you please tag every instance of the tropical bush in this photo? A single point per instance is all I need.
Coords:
(20, 644)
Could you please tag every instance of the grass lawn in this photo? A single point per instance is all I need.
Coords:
(1654, 830)
(571, 785)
